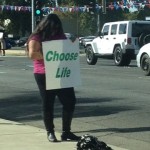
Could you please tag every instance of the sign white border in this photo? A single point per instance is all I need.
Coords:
(62, 66)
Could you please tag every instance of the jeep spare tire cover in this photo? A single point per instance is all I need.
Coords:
(144, 38)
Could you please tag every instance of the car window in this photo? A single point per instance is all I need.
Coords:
(122, 28)
(105, 30)
(113, 29)
(138, 28)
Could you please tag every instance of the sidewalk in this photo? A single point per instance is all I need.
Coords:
(20, 52)
(17, 136)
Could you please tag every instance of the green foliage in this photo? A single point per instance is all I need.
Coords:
(67, 2)
(143, 13)
(134, 16)
(114, 15)
(20, 21)
(87, 22)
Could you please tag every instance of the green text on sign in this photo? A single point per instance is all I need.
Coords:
(64, 72)
(55, 56)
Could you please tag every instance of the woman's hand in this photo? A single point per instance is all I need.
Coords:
(35, 48)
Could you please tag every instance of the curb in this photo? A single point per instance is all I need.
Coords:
(18, 136)
(22, 52)
(16, 52)
(22, 136)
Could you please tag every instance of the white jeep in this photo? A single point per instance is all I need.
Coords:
(118, 40)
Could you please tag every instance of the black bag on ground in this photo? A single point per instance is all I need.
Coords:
(88, 142)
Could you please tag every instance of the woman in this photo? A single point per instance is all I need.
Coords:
(2, 44)
(50, 28)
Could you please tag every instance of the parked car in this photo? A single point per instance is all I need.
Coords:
(86, 39)
(143, 59)
(80, 40)
(8, 44)
(70, 36)
(11, 41)
(21, 41)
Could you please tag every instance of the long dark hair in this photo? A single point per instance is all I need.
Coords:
(49, 25)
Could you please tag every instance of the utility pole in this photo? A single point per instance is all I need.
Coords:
(33, 17)
(56, 3)
(101, 13)
(98, 18)
(104, 6)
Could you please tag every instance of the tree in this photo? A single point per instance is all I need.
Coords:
(66, 2)
(144, 13)
(20, 21)
(88, 24)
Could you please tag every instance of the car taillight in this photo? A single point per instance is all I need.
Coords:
(129, 40)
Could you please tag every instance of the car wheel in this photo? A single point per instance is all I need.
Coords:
(118, 56)
(145, 64)
(90, 56)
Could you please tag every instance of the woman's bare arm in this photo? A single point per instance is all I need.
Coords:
(34, 50)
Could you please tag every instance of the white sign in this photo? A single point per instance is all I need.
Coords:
(61, 58)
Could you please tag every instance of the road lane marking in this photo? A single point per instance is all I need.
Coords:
(145, 77)
(31, 66)
(88, 68)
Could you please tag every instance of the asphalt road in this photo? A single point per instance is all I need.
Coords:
(113, 102)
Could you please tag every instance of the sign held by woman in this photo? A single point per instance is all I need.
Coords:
(61, 58)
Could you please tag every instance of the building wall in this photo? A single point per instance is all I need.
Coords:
(70, 26)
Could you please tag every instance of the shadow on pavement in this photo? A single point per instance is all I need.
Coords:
(119, 130)
(27, 107)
